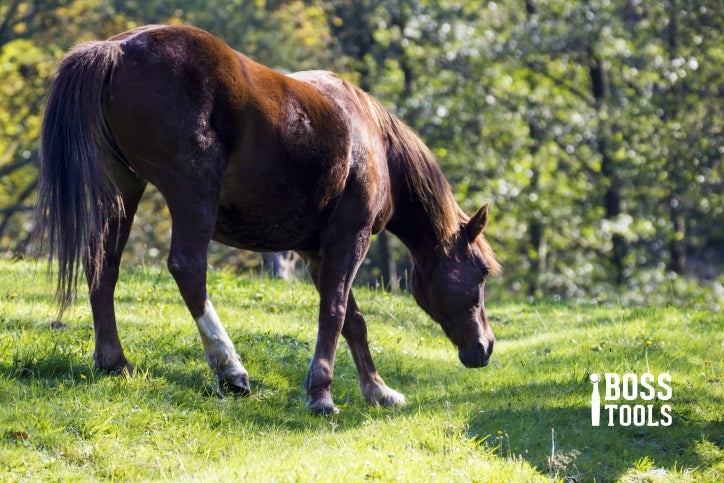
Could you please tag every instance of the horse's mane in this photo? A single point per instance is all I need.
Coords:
(424, 178)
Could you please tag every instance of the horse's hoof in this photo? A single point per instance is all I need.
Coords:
(324, 406)
(384, 396)
(118, 367)
(237, 384)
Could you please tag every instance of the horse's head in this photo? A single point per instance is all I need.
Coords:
(449, 287)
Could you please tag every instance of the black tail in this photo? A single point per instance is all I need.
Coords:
(76, 196)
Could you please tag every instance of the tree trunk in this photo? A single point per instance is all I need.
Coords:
(536, 250)
(281, 264)
(612, 203)
(677, 238)
(390, 279)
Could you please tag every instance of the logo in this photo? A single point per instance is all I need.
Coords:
(621, 392)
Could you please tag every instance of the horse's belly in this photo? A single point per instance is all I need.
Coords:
(267, 227)
(280, 203)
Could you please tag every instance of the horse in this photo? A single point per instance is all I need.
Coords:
(257, 160)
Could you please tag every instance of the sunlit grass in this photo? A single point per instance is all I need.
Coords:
(525, 416)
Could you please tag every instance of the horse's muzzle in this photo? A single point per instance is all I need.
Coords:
(476, 354)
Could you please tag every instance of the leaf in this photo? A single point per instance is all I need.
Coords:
(20, 435)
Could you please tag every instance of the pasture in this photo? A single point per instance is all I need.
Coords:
(524, 417)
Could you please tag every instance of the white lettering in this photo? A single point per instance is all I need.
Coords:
(639, 415)
(650, 410)
(612, 386)
(624, 415)
(650, 393)
(666, 414)
(611, 408)
(664, 381)
(630, 387)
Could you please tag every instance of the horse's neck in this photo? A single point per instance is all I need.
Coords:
(412, 220)
(413, 229)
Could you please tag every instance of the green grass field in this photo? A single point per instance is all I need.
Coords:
(524, 417)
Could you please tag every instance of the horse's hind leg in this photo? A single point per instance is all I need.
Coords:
(108, 355)
(193, 218)
(373, 387)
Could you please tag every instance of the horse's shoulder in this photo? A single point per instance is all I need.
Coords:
(328, 84)
(318, 77)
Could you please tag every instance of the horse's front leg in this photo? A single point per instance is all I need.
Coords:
(333, 275)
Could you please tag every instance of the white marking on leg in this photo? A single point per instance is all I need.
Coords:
(220, 352)
(382, 395)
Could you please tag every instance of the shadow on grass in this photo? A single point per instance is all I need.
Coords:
(52, 370)
(561, 442)
(545, 426)
(51, 361)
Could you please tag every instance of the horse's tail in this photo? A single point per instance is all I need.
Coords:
(76, 195)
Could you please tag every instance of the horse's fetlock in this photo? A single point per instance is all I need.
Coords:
(318, 378)
(323, 405)
(113, 364)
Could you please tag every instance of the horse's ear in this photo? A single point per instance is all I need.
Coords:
(477, 223)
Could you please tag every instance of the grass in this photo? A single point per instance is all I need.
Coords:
(525, 417)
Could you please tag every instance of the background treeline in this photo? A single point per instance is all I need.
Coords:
(594, 128)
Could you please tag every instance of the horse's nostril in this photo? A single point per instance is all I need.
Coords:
(475, 355)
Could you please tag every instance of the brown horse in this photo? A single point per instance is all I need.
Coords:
(256, 160)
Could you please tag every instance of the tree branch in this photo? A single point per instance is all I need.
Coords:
(7, 21)
(8, 169)
(9, 212)
(540, 69)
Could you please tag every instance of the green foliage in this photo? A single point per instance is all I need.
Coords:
(594, 129)
(24, 73)
(526, 417)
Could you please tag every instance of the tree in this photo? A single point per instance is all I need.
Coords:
(594, 128)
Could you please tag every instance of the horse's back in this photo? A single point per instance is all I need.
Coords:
(189, 113)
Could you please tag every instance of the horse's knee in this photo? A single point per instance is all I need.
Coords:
(176, 266)
(186, 270)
